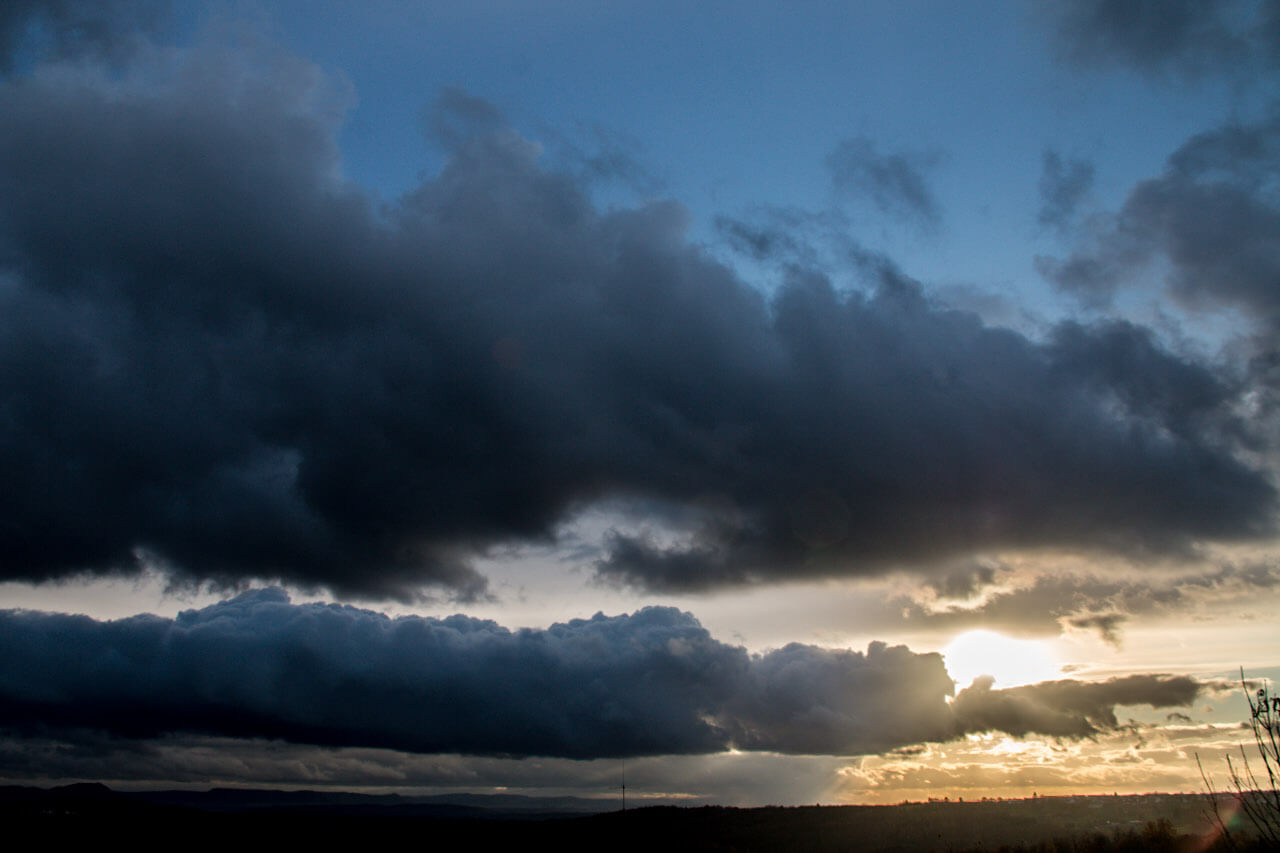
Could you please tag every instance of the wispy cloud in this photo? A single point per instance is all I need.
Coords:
(895, 183)
(1063, 185)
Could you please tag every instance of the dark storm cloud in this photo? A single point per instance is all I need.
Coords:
(958, 410)
(654, 682)
(257, 666)
(895, 183)
(1187, 37)
(109, 29)
(1063, 185)
(1124, 360)
(219, 358)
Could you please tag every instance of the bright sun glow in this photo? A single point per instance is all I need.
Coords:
(1011, 662)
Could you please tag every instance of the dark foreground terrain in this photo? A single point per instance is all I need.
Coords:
(248, 820)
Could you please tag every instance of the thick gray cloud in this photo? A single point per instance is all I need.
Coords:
(956, 416)
(654, 682)
(1186, 37)
(218, 357)
(895, 183)
(257, 666)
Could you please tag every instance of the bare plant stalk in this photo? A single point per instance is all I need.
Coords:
(1256, 790)
(1213, 805)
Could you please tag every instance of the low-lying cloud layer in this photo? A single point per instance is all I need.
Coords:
(219, 358)
(651, 683)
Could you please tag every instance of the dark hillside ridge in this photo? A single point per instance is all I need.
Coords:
(256, 819)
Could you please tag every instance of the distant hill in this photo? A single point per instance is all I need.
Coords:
(223, 816)
(251, 800)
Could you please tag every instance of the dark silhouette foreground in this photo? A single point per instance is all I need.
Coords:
(86, 814)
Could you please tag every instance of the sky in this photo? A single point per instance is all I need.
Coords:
(754, 402)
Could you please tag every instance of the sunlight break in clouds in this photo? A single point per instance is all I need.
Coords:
(1012, 662)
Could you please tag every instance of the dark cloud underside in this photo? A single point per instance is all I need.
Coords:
(218, 357)
(651, 683)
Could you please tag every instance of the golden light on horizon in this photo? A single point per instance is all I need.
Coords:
(1010, 661)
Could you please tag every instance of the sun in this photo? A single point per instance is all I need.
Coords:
(1011, 662)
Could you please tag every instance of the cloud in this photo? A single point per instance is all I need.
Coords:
(723, 778)
(257, 666)
(1063, 185)
(1210, 222)
(1189, 38)
(835, 520)
(895, 183)
(457, 117)
(773, 234)
(1133, 758)
(1211, 215)
(221, 359)
(792, 239)
(651, 683)
(1066, 708)
(964, 581)
(1106, 624)
(598, 154)
(109, 29)
(1052, 601)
